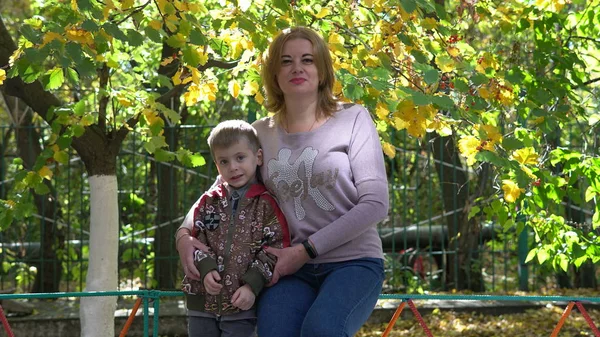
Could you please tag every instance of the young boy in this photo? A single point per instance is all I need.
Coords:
(235, 220)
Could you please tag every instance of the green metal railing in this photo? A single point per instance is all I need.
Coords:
(147, 296)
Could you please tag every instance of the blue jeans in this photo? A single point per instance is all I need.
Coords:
(328, 300)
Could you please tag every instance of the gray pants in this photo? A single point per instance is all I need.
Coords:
(210, 327)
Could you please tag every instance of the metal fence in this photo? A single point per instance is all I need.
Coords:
(416, 239)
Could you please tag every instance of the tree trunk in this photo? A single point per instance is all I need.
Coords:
(97, 313)
(463, 268)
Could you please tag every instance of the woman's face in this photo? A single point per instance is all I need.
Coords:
(298, 74)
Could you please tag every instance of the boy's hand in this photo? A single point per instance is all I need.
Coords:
(243, 298)
(211, 282)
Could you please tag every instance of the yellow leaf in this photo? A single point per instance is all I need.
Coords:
(203, 58)
(192, 95)
(45, 172)
(429, 23)
(74, 6)
(382, 111)
(525, 156)
(2, 76)
(511, 190)
(445, 63)
(234, 88)
(453, 51)
(155, 24)
(337, 88)
(123, 100)
(15, 56)
(389, 149)
(469, 146)
(177, 77)
(126, 4)
(166, 61)
(250, 88)
(335, 38)
(323, 13)
(259, 98)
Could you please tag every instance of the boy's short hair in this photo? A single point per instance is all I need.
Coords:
(231, 132)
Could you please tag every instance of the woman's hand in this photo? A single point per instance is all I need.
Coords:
(186, 246)
(289, 260)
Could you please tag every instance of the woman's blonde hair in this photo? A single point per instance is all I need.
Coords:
(275, 102)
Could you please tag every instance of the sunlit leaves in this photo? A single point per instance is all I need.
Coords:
(2, 76)
(512, 191)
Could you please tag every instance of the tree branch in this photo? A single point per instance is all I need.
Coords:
(585, 38)
(586, 83)
(103, 103)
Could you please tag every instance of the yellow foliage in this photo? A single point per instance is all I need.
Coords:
(382, 112)
(250, 88)
(45, 172)
(234, 88)
(440, 126)
(166, 61)
(493, 136)
(195, 74)
(551, 5)
(525, 156)
(123, 100)
(150, 115)
(453, 51)
(488, 60)
(259, 98)
(337, 88)
(192, 95)
(445, 63)
(429, 23)
(51, 36)
(155, 24)
(126, 4)
(506, 96)
(74, 5)
(469, 146)
(108, 7)
(373, 61)
(511, 190)
(79, 35)
(177, 77)
(388, 149)
(2, 76)
(323, 13)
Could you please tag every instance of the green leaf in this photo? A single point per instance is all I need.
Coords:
(596, 220)
(281, 4)
(197, 38)
(114, 31)
(153, 34)
(531, 255)
(64, 142)
(590, 193)
(491, 157)
(444, 102)
(41, 188)
(408, 5)
(162, 155)
(473, 211)
(31, 34)
(197, 160)
(53, 79)
(90, 26)
(135, 38)
(542, 255)
(78, 130)
(191, 56)
(420, 98)
(511, 143)
(353, 91)
(61, 157)
(562, 261)
(72, 76)
(479, 79)
(431, 76)
(219, 46)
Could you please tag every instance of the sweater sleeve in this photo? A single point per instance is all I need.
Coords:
(368, 170)
(275, 234)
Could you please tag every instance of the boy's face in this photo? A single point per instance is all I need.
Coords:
(237, 163)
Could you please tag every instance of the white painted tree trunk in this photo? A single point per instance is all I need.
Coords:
(97, 313)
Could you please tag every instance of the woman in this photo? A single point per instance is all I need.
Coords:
(324, 163)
